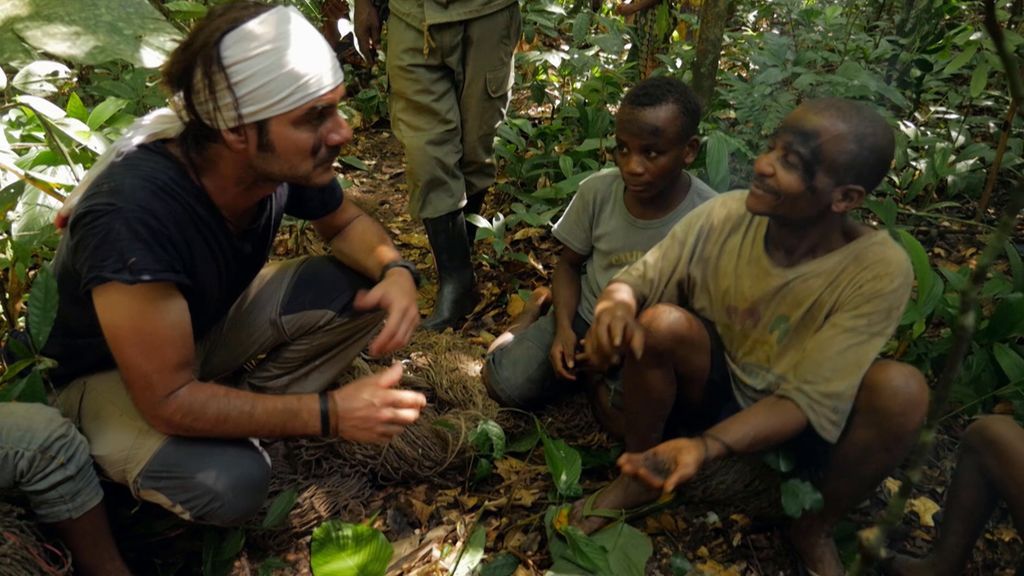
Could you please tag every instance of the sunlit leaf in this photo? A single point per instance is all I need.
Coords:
(564, 464)
(799, 496)
(104, 110)
(473, 554)
(75, 108)
(41, 78)
(488, 438)
(342, 549)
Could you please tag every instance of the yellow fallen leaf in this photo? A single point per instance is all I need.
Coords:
(890, 486)
(561, 518)
(515, 305)
(925, 508)
(524, 497)
(414, 239)
(1004, 533)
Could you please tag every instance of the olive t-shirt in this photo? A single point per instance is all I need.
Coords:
(597, 223)
(145, 220)
(807, 332)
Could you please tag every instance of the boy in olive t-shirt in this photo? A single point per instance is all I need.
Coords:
(614, 218)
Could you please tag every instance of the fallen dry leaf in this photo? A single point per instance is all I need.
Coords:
(414, 239)
(515, 305)
(525, 497)
(421, 511)
(1003, 534)
(890, 486)
(925, 508)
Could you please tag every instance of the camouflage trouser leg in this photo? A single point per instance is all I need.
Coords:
(446, 105)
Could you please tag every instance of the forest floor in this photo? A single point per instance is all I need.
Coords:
(430, 521)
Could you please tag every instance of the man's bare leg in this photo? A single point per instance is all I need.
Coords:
(890, 409)
(536, 306)
(91, 544)
(675, 363)
(991, 465)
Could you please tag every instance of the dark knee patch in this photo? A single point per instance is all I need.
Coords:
(323, 283)
(221, 482)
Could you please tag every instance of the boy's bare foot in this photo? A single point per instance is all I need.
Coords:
(536, 306)
(624, 493)
(816, 548)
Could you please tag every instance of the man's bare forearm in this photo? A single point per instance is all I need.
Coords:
(763, 425)
(212, 410)
(565, 293)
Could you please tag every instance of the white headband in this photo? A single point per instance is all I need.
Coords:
(275, 62)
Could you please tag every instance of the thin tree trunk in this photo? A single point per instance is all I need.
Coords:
(713, 15)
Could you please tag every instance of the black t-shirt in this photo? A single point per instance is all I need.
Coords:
(145, 220)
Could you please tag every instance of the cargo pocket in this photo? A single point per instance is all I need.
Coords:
(499, 81)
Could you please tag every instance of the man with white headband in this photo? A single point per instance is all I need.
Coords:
(449, 66)
(176, 342)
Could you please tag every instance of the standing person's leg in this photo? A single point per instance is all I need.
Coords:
(425, 118)
(488, 72)
(670, 378)
(991, 465)
(888, 413)
(42, 455)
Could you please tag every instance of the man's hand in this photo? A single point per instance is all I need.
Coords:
(615, 329)
(563, 354)
(667, 465)
(395, 294)
(367, 24)
(370, 410)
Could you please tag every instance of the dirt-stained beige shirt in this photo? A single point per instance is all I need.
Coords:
(808, 332)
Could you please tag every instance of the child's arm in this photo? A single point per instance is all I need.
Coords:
(565, 299)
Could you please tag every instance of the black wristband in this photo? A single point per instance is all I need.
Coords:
(325, 414)
(401, 264)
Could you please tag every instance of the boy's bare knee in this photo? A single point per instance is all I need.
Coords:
(896, 391)
(667, 326)
(992, 433)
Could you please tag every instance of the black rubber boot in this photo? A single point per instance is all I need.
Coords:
(455, 294)
(474, 204)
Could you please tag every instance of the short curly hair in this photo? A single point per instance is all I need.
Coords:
(659, 90)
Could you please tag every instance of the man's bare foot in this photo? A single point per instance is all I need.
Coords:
(901, 565)
(536, 306)
(624, 493)
(816, 548)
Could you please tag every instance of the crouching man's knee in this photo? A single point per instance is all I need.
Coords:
(897, 393)
(217, 482)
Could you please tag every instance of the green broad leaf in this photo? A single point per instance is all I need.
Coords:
(271, 566)
(884, 208)
(799, 496)
(28, 389)
(586, 552)
(75, 108)
(565, 164)
(564, 464)
(42, 307)
(718, 161)
(581, 26)
(1009, 361)
(355, 163)
(488, 439)
(483, 469)
(280, 508)
(919, 260)
(15, 369)
(104, 111)
(594, 144)
(81, 133)
(186, 10)
(220, 548)
(679, 565)
(41, 78)
(780, 460)
(472, 554)
(503, 564)
(960, 59)
(979, 80)
(342, 549)
(1016, 266)
(528, 440)
(93, 32)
